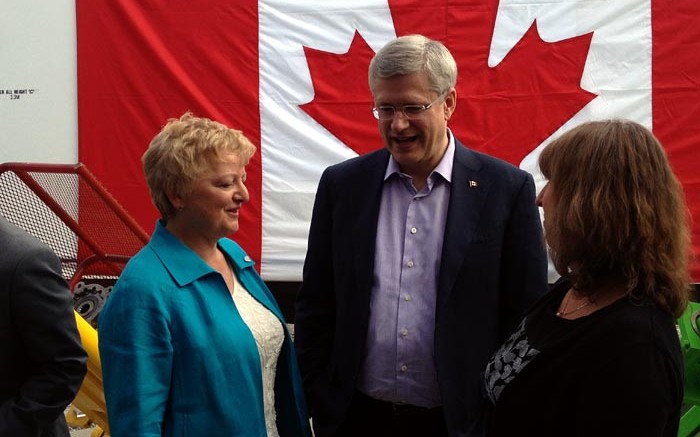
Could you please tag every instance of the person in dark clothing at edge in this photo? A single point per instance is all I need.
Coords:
(42, 362)
(600, 354)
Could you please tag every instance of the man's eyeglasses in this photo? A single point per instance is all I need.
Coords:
(410, 111)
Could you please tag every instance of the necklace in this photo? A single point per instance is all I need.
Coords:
(563, 311)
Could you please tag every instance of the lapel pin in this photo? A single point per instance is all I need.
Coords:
(473, 184)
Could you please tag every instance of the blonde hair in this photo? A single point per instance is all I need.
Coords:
(183, 151)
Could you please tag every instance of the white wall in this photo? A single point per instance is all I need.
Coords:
(38, 82)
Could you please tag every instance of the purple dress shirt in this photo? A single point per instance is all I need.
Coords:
(399, 361)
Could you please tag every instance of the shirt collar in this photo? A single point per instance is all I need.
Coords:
(444, 167)
(183, 264)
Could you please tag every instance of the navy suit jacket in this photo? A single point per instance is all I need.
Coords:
(493, 268)
(42, 362)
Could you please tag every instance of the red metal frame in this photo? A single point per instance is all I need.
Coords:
(23, 170)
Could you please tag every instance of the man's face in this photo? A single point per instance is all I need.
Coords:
(416, 143)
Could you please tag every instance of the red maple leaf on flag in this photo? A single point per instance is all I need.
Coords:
(343, 102)
(506, 110)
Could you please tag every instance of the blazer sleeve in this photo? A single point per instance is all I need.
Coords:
(315, 307)
(42, 310)
(524, 260)
(137, 355)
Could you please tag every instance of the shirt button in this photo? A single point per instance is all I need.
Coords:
(407, 298)
(404, 332)
(414, 230)
(410, 263)
(404, 368)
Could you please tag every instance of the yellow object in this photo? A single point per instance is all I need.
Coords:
(91, 398)
(76, 418)
(98, 432)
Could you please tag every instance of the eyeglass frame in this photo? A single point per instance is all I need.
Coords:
(420, 109)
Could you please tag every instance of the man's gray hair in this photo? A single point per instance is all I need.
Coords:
(412, 54)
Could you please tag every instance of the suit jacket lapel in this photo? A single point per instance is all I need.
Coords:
(364, 224)
(467, 196)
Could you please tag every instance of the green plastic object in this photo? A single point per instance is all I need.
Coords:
(689, 329)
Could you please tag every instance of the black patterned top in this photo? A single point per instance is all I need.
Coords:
(615, 372)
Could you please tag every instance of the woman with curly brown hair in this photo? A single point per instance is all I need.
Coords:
(599, 355)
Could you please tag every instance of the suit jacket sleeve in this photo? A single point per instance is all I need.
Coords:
(42, 311)
(314, 311)
(524, 259)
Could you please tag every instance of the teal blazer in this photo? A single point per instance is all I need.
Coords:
(177, 358)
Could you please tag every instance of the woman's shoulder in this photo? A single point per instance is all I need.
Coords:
(145, 264)
(143, 277)
(637, 315)
(631, 325)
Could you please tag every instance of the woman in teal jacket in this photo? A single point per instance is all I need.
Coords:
(191, 340)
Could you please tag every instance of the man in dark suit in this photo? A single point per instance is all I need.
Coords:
(422, 258)
(42, 363)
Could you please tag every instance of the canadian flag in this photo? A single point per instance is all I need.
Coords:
(292, 75)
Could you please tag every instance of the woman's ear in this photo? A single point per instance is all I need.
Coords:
(176, 201)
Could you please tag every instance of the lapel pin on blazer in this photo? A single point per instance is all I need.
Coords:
(473, 184)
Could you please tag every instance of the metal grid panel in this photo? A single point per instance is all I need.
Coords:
(69, 210)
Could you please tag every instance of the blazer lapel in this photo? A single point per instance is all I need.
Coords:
(467, 196)
(364, 223)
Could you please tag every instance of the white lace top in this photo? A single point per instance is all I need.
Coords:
(269, 336)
